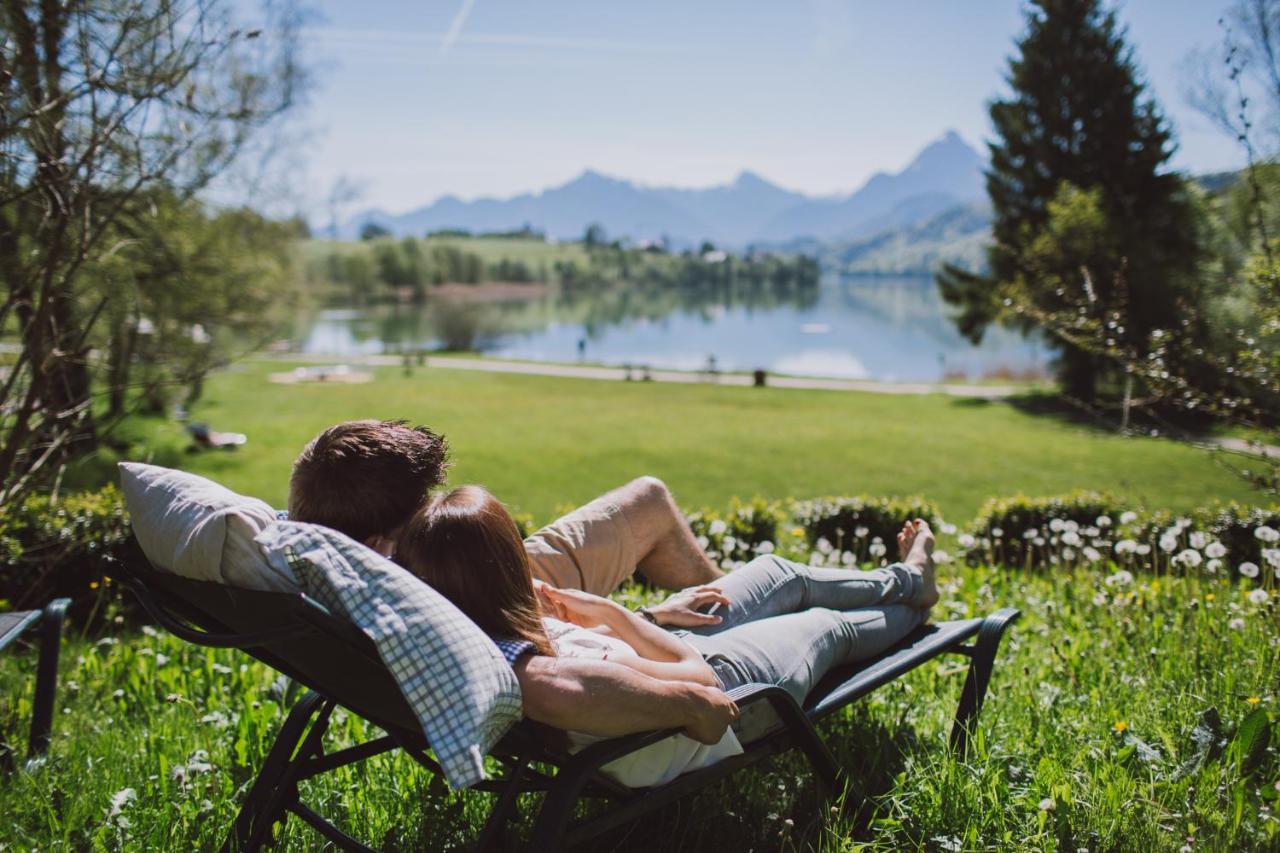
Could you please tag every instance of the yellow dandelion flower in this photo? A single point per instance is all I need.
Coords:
(1209, 597)
(1119, 726)
(1254, 700)
(93, 584)
(798, 531)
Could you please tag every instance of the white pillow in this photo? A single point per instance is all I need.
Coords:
(193, 527)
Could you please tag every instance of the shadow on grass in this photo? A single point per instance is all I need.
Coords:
(776, 803)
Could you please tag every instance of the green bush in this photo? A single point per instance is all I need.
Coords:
(51, 548)
(745, 531)
(1023, 532)
(865, 527)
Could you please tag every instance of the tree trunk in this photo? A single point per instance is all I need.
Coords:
(1078, 373)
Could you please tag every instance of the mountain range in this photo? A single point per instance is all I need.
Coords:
(944, 176)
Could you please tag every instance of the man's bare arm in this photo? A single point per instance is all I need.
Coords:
(604, 698)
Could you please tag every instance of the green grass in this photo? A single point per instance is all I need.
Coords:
(185, 727)
(541, 443)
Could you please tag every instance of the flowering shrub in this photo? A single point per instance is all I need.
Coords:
(745, 531)
(850, 531)
(1249, 534)
(50, 549)
(1023, 532)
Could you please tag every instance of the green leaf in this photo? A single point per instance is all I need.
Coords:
(1145, 752)
(1207, 743)
(1251, 740)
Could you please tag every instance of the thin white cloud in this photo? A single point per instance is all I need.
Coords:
(381, 39)
(455, 28)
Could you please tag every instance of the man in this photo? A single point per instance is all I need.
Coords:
(367, 478)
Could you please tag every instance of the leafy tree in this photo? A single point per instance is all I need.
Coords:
(1078, 120)
(373, 231)
(101, 102)
(594, 236)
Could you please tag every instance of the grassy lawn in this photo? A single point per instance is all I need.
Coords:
(1086, 742)
(171, 733)
(541, 443)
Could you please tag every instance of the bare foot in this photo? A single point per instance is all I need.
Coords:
(905, 537)
(920, 555)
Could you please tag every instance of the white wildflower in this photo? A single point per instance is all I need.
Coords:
(941, 557)
(717, 527)
(1189, 558)
(1215, 550)
(1249, 570)
(1048, 804)
(1128, 517)
(1120, 578)
(1070, 524)
(729, 544)
(1168, 542)
(1104, 521)
(118, 694)
(161, 660)
(876, 549)
(1258, 596)
(997, 532)
(861, 532)
(221, 669)
(1091, 554)
(703, 542)
(1126, 546)
(1212, 566)
(1143, 549)
(966, 540)
(765, 547)
(120, 800)
(1056, 525)
(217, 719)
(1100, 598)
(824, 546)
(1236, 624)
(149, 631)
(1198, 539)
(1038, 541)
(848, 558)
(1030, 533)
(1068, 553)
(946, 529)
(1272, 557)
(1267, 534)
(1071, 539)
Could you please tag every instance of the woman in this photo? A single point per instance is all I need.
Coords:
(783, 623)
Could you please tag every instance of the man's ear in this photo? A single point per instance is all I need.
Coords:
(384, 545)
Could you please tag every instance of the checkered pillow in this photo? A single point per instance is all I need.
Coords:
(452, 675)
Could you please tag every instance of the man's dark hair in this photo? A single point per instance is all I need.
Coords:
(366, 478)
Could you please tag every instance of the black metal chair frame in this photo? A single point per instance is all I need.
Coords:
(49, 622)
(204, 613)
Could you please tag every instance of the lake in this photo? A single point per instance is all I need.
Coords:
(889, 328)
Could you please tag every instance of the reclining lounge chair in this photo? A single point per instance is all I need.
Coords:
(341, 667)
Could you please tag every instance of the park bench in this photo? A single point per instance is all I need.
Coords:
(341, 667)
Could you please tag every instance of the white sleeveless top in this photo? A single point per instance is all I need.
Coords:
(657, 763)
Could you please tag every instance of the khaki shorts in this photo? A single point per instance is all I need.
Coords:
(591, 549)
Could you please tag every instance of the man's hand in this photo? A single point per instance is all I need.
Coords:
(681, 608)
(713, 712)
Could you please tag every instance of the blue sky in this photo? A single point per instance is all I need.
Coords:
(493, 97)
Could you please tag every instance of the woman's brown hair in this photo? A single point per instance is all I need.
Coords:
(466, 546)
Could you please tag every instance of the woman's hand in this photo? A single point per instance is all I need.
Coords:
(580, 608)
(681, 608)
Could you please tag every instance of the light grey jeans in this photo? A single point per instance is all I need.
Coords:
(789, 624)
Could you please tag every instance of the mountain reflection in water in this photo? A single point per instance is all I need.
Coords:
(869, 327)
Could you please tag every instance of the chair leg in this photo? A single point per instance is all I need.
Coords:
(264, 804)
(982, 658)
(46, 675)
(492, 833)
(557, 809)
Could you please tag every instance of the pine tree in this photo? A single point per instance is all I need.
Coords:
(1079, 119)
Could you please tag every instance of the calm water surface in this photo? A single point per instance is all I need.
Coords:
(882, 327)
